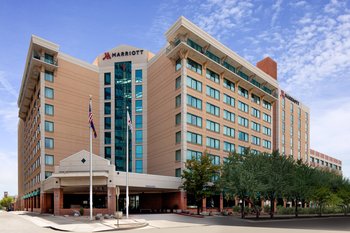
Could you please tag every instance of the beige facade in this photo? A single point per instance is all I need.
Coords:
(53, 111)
(204, 97)
(321, 160)
(294, 127)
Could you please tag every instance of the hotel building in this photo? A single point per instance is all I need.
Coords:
(194, 95)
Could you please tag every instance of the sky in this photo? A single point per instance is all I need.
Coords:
(310, 41)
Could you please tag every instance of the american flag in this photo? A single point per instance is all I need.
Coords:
(91, 121)
(129, 121)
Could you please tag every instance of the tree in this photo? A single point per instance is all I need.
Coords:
(6, 202)
(300, 183)
(239, 177)
(276, 173)
(197, 178)
(344, 194)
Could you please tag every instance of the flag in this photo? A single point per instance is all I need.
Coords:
(129, 121)
(91, 121)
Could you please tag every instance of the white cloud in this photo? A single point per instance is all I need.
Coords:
(8, 168)
(276, 7)
(334, 6)
(5, 85)
(221, 18)
(330, 129)
(8, 117)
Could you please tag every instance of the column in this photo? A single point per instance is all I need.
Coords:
(285, 203)
(111, 200)
(204, 204)
(31, 204)
(221, 202)
(57, 200)
(236, 201)
(262, 204)
(275, 206)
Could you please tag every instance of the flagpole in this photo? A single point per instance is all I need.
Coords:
(90, 164)
(127, 164)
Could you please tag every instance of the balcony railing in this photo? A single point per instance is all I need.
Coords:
(49, 60)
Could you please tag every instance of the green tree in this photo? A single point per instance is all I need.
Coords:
(6, 202)
(344, 194)
(239, 177)
(276, 176)
(197, 178)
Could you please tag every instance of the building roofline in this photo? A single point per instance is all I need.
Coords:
(182, 21)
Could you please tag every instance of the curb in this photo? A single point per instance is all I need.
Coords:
(126, 228)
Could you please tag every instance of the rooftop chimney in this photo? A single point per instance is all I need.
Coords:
(269, 66)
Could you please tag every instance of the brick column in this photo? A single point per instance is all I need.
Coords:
(275, 206)
(57, 200)
(183, 200)
(236, 201)
(43, 206)
(111, 200)
(285, 203)
(262, 204)
(204, 204)
(31, 204)
(221, 202)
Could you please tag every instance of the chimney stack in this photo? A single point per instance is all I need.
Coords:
(269, 66)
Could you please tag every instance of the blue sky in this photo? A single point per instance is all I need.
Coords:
(310, 40)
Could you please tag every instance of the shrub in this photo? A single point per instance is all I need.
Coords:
(236, 209)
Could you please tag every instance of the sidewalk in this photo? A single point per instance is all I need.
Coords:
(80, 224)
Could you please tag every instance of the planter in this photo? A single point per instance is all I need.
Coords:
(118, 214)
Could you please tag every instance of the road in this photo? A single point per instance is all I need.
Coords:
(172, 223)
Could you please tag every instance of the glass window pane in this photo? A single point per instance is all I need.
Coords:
(107, 78)
(139, 151)
(138, 76)
(107, 108)
(138, 121)
(138, 91)
(138, 105)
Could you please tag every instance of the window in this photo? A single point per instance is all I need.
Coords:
(178, 65)
(241, 149)
(138, 136)
(212, 76)
(178, 137)
(243, 121)
(255, 112)
(138, 151)
(213, 93)
(194, 66)
(255, 140)
(107, 78)
(49, 159)
(178, 172)
(194, 102)
(267, 144)
(178, 82)
(48, 93)
(242, 92)
(229, 85)
(255, 98)
(215, 159)
(138, 76)
(194, 138)
(283, 115)
(229, 67)
(229, 131)
(48, 58)
(191, 154)
(243, 107)
(108, 152)
(48, 76)
(178, 155)
(178, 101)
(194, 120)
(194, 84)
(49, 143)
(267, 117)
(138, 166)
(256, 83)
(213, 126)
(213, 143)
(212, 109)
(291, 107)
(107, 93)
(49, 126)
(49, 109)
(178, 119)
(266, 105)
(230, 116)
(255, 126)
(194, 45)
(266, 131)
(47, 174)
(107, 123)
(229, 100)
(212, 56)
(138, 91)
(107, 108)
(229, 147)
(107, 138)
(138, 121)
(138, 106)
(243, 136)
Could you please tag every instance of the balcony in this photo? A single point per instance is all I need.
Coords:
(46, 58)
(203, 56)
